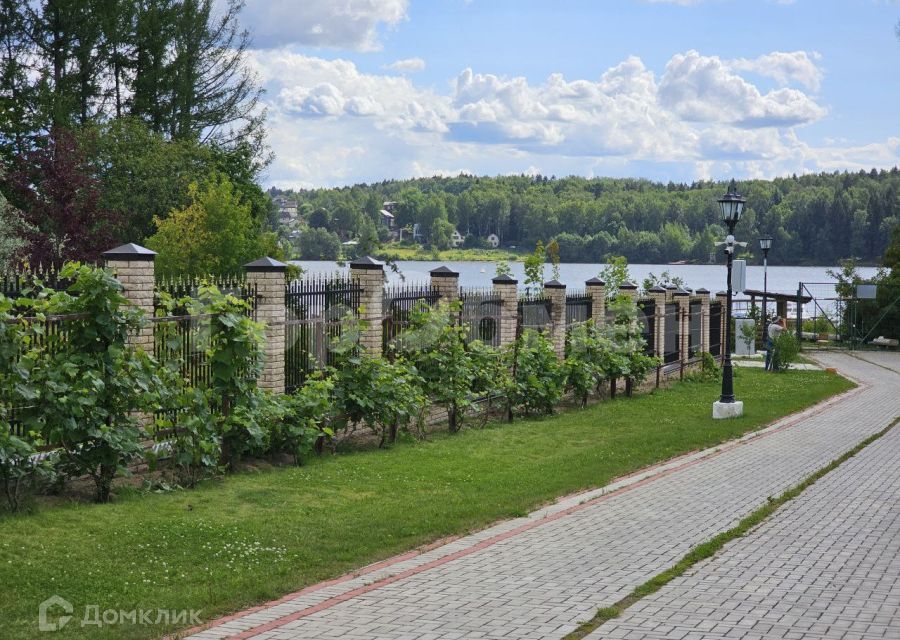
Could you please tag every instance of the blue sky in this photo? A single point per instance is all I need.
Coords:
(366, 90)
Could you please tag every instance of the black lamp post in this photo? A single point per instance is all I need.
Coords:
(765, 243)
(732, 205)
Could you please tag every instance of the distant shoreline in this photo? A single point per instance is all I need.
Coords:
(493, 255)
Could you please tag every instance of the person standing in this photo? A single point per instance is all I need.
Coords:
(777, 325)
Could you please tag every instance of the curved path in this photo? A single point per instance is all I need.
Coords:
(540, 576)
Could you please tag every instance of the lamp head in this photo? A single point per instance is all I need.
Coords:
(732, 204)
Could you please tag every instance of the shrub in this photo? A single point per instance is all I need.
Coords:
(234, 353)
(371, 390)
(85, 390)
(436, 346)
(786, 349)
(297, 421)
(584, 360)
(537, 376)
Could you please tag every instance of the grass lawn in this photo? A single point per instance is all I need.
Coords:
(251, 537)
(421, 253)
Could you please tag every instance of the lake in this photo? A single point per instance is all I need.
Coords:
(697, 276)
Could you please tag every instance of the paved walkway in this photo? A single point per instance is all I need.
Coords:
(826, 565)
(539, 576)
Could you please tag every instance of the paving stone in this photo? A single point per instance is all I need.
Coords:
(562, 566)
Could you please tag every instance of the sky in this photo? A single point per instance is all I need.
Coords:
(681, 90)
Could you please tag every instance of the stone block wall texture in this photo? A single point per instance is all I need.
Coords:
(509, 309)
(270, 311)
(704, 322)
(659, 328)
(371, 299)
(138, 279)
(446, 284)
(597, 290)
(557, 295)
(722, 297)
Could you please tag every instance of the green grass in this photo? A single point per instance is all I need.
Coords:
(391, 252)
(255, 536)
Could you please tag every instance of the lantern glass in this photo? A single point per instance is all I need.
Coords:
(732, 204)
(765, 243)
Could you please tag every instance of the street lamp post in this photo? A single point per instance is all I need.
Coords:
(765, 243)
(732, 205)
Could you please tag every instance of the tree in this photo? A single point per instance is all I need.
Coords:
(441, 234)
(319, 218)
(13, 232)
(319, 244)
(215, 233)
(54, 186)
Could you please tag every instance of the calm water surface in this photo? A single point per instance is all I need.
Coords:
(711, 276)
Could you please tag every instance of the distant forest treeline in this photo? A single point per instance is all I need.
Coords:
(814, 219)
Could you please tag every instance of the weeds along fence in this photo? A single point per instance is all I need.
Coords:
(480, 313)
(397, 305)
(314, 310)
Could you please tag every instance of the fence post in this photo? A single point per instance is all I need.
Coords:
(722, 297)
(683, 298)
(446, 282)
(703, 294)
(267, 277)
(597, 289)
(369, 273)
(659, 308)
(630, 290)
(505, 288)
(556, 291)
(134, 267)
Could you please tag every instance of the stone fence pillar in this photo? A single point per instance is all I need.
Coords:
(134, 267)
(683, 299)
(596, 288)
(722, 297)
(505, 288)
(556, 291)
(369, 273)
(670, 292)
(629, 290)
(659, 325)
(268, 276)
(446, 282)
(703, 295)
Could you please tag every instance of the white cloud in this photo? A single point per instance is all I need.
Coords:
(703, 89)
(345, 24)
(332, 123)
(407, 65)
(785, 67)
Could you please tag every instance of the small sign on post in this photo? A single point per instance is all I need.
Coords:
(866, 291)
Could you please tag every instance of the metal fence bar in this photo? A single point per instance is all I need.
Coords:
(399, 302)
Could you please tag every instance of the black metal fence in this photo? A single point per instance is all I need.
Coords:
(672, 333)
(398, 303)
(480, 313)
(646, 314)
(180, 287)
(314, 312)
(579, 307)
(534, 312)
(695, 328)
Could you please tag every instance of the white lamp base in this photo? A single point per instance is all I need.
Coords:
(722, 410)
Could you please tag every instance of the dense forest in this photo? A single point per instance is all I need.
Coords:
(130, 121)
(814, 219)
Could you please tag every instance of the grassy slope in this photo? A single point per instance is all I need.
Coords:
(421, 253)
(252, 537)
